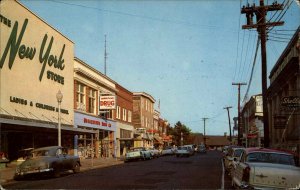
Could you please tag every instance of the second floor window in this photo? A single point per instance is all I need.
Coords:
(92, 98)
(124, 114)
(80, 93)
(129, 116)
(118, 115)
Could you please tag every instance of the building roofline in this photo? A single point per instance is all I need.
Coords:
(145, 95)
(285, 51)
(43, 21)
(95, 70)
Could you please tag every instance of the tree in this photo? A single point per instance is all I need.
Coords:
(176, 133)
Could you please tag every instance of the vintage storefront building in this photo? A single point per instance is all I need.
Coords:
(36, 62)
(123, 117)
(94, 102)
(284, 98)
(143, 114)
(252, 120)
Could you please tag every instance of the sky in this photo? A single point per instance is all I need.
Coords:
(185, 54)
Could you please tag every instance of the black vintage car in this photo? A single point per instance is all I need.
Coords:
(48, 160)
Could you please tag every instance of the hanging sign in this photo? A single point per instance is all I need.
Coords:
(107, 102)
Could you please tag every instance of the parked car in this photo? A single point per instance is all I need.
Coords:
(155, 153)
(138, 153)
(183, 151)
(48, 160)
(261, 168)
(232, 156)
(191, 148)
(168, 151)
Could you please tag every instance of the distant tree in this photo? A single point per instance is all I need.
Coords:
(176, 133)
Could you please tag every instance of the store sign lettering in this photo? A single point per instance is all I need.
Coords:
(96, 122)
(46, 58)
(24, 102)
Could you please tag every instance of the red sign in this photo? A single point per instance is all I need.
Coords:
(252, 136)
(107, 102)
(95, 122)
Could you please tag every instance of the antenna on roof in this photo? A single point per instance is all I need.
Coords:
(105, 55)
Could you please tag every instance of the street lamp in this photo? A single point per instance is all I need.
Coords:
(59, 97)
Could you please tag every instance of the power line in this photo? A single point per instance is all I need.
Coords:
(136, 15)
(252, 70)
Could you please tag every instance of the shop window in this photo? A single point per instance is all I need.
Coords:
(125, 133)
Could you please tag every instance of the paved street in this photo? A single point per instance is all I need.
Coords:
(202, 171)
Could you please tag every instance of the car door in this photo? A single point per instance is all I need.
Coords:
(67, 159)
(238, 172)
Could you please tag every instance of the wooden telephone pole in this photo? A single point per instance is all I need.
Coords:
(230, 137)
(204, 119)
(239, 113)
(261, 25)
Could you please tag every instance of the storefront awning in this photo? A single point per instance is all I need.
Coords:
(158, 140)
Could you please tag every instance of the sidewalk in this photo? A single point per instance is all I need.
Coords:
(7, 174)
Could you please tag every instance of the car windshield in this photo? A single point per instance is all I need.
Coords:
(40, 153)
(274, 158)
(237, 153)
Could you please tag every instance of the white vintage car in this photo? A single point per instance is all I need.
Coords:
(261, 168)
(155, 153)
(183, 151)
(138, 153)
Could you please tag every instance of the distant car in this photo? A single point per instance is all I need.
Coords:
(231, 158)
(261, 168)
(137, 153)
(48, 160)
(201, 148)
(168, 151)
(183, 151)
(155, 153)
(191, 148)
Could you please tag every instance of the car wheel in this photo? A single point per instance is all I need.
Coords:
(17, 177)
(56, 173)
(76, 168)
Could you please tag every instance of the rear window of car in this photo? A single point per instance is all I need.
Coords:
(275, 158)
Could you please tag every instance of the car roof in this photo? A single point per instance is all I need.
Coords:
(257, 149)
(47, 148)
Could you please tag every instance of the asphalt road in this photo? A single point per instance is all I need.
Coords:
(201, 171)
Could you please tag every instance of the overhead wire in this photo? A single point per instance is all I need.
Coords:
(282, 13)
(252, 70)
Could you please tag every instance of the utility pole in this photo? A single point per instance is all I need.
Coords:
(204, 136)
(261, 26)
(239, 112)
(105, 55)
(230, 137)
